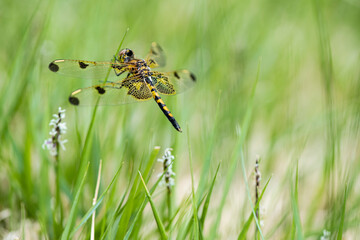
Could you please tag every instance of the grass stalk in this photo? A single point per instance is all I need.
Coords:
(92, 235)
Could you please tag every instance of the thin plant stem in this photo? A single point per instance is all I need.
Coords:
(58, 204)
(92, 237)
(257, 187)
(169, 206)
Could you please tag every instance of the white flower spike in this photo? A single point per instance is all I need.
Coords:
(168, 174)
(59, 128)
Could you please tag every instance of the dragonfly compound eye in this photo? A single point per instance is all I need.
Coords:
(130, 53)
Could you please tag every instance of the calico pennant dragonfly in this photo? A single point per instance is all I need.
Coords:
(140, 83)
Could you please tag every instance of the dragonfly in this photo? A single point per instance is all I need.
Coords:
(130, 80)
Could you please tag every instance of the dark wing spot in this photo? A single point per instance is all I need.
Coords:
(100, 90)
(83, 65)
(193, 77)
(74, 100)
(153, 52)
(53, 67)
(176, 75)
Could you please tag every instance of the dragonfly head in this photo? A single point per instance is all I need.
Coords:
(126, 55)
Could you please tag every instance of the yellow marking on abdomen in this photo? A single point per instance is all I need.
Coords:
(166, 109)
(159, 100)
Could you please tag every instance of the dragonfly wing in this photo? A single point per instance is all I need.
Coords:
(156, 57)
(114, 93)
(88, 69)
(173, 82)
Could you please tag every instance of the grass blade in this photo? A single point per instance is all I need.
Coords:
(247, 224)
(141, 209)
(92, 237)
(155, 212)
(207, 201)
(341, 227)
(150, 163)
(210, 149)
(194, 202)
(295, 206)
(72, 216)
(95, 206)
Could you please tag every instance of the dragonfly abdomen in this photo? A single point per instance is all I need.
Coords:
(162, 105)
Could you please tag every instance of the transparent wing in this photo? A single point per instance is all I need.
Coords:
(88, 69)
(171, 83)
(156, 57)
(129, 90)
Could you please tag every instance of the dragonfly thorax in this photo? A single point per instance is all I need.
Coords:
(142, 68)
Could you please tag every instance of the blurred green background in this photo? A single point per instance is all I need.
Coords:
(305, 109)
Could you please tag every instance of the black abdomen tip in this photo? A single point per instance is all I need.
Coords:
(74, 100)
(53, 67)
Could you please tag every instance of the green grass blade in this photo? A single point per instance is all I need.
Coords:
(113, 225)
(295, 207)
(210, 149)
(72, 216)
(175, 214)
(247, 224)
(194, 201)
(343, 210)
(248, 193)
(208, 198)
(134, 200)
(155, 212)
(141, 209)
(109, 206)
(99, 201)
(190, 224)
(150, 163)
(129, 208)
